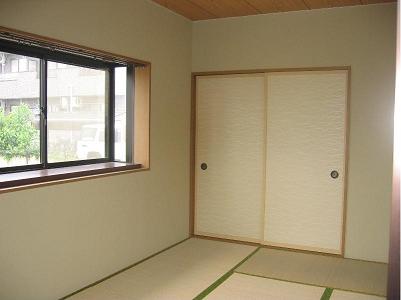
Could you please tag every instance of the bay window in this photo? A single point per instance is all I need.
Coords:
(64, 108)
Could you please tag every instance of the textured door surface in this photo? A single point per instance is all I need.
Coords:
(306, 122)
(230, 140)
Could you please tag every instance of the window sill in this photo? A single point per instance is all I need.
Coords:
(22, 180)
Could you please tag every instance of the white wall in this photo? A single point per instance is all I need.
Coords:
(362, 37)
(56, 239)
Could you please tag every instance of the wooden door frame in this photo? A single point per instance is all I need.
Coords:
(194, 75)
(393, 284)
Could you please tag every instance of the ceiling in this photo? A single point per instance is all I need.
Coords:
(213, 9)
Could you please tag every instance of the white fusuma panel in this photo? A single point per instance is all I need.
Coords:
(230, 156)
(305, 165)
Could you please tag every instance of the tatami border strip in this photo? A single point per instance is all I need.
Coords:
(223, 278)
(124, 269)
(327, 294)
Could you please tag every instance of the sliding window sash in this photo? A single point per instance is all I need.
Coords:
(61, 56)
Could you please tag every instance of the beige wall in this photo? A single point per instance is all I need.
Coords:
(54, 240)
(362, 37)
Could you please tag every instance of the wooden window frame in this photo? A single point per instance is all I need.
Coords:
(138, 138)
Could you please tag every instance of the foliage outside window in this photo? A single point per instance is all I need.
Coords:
(18, 136)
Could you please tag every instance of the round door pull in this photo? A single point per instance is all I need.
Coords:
(203, 166)
(334, 174)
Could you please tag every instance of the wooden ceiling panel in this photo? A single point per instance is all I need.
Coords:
(264, 6)
(227, 8)
(212, 9)
(187, 9)
(290, 5)
(376, 1)
(312, 4)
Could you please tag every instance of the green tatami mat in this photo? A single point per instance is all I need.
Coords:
(320, 270)
(181, 272)
(239, 286)
(223, 278)
(343, 295)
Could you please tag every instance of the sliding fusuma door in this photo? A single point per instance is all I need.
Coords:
(230, 159)
(306, 142)
(270, 158)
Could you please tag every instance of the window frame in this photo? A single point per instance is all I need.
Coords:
(51, 54)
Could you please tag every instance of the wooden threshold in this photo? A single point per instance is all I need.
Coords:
(205, 237)
(219, 239)
(267, 246)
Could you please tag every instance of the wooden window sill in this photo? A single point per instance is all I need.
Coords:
(26, 179)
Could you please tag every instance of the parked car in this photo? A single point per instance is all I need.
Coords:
(91, 145)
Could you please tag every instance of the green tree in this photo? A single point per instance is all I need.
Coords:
(18, 136)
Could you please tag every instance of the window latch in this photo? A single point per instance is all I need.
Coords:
(43, 111)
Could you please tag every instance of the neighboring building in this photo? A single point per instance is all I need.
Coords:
(19, 82)
(76, 97)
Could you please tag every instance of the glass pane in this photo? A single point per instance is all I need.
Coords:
(76, 102)
(32, 66)
(19, 113)
(51, 65)
(120, 113)
(14, 65)
(23, 65)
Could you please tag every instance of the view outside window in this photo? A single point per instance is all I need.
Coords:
(76, 103)
(33, 65)
(19, 111)
(23, 65)
(120, 113)
(14, 65)
(76, 112)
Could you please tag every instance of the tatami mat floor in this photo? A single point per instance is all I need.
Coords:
(240, 286)
(343, 295)
(181, 272)
(321, 270)
(200, 268)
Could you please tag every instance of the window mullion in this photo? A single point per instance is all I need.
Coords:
(43, 113)
(110, 115)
